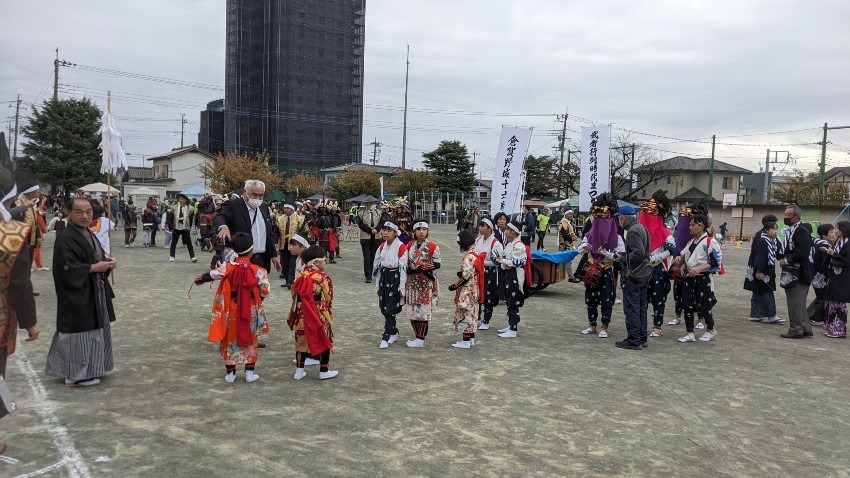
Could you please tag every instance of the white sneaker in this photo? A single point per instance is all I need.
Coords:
(415, 343)
(700, 325)
(603, 333)
(688, 338)
(706, 336)
(171, 259)
(676, 321)
(508, 334)
(328, 374)
(483, 326)
(384, 345)
(44, 268)
(393, 339)
(230, 377)
(250, 376)
(463, 344)
(618, 301)
(656, 332)
(504, 329)
(309, 361)
(472, 342)
(194, 259)
(299, 374)
(589, 330)
(756, 319)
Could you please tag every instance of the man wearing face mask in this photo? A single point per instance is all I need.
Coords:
(369, 220)
(249, 214)
(797, 273)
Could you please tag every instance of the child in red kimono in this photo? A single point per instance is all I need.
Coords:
(310, 317)
(238, 318)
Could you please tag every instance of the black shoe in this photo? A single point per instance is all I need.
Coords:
(284, 285)
(808, 334)
(261, 345)
(281, 276)
(574, 280)
(368, 281)
(35, 294)
(792, 336)
(644, 344)
(624, 344)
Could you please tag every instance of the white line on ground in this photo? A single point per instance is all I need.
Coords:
(42, 471)
(71, 457)
(9, 460)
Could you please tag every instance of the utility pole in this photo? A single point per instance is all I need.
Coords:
(711, 170)
(17, 119)
(561, 140)
(56, 76)
(767, 164)
(404, 132)
(822, 188)
(631, 173)
(375, 145)
(182, 127)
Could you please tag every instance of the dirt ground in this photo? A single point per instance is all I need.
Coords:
(551, 402)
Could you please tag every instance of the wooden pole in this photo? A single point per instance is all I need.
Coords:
(109, 191)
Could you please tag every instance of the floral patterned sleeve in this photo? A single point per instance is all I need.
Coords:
(435, 257)
(263, 282)
(220, 272)
(327, 290)
(467, 266)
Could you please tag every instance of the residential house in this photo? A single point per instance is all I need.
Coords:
(839, 176)
(686, 179)
(179, 169)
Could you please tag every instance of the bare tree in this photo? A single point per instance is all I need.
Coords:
(633, 166)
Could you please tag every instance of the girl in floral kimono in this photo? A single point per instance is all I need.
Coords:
(238, 317)
(311, 316)
(467, 290)
(423, 258)
(838, 288)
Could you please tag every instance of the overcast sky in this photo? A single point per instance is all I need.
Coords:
(678, 69)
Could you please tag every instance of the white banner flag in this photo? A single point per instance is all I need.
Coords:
(595, 164)
(507, 175)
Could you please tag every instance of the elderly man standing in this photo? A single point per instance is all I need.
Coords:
(250, 214)
(635, 278)
(81, 350)
(796, 273)
(369, 223)
(288, 223)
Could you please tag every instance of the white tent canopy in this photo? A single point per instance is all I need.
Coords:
(144, 192)
(98, 188)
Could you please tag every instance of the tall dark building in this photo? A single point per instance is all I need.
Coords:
(211, 132)
(294, 81)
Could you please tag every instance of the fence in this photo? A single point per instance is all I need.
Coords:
(439, 208)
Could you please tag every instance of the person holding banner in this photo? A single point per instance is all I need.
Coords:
(516, 266)
(488, 244)
(596, 267)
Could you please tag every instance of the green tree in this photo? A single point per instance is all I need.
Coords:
(62, 147)
(451, 164)
(304, 185)
(408, 180)
(539, 174)
(354, 183)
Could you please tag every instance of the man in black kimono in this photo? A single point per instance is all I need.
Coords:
(81, 350)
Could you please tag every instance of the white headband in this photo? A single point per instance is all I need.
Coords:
(392, 226)
(245, 251)
(488, 222)
(513, 228)
(569, 211)
(300, 240)
(31, 189)
(288, 206)
(420, 224)
(7, 216)
(313, 261)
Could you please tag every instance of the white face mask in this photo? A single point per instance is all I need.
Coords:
(254, 203)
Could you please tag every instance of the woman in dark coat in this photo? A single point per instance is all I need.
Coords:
(820, 263)
(838, 288)
(760, 278)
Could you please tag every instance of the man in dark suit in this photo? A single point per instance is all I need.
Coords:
(798, 245)
(250, 214)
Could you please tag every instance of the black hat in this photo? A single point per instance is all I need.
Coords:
(26, 180)
(658, 204)
(181, 195)
(313, 252)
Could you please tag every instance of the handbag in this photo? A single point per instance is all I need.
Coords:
(789, 277)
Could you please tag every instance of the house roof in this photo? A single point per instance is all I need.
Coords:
(835, 172)
(178, 151)
(684, 163)
(360, 166)
(137, 172)
(692, 194)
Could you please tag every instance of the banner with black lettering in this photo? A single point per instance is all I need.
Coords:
(507, 175)
(595, 164)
